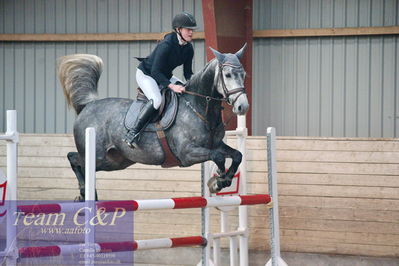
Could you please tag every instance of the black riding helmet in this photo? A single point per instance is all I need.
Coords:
(184, 20)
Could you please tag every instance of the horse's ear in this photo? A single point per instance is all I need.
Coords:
(220, 57)
(241, 51)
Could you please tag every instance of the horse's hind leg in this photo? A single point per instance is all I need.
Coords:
(79, 170)
(74, 160)
(106, 160)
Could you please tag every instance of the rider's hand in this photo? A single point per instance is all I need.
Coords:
(177, 88)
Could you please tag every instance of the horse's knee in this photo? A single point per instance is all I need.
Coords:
(217, 157)
(237, 157)
(73, 158)
(71, 155)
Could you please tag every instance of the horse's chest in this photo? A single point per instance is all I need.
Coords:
(209, 139)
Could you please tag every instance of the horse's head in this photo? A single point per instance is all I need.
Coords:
(230, 80)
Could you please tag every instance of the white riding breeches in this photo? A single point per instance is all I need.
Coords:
(150, 87)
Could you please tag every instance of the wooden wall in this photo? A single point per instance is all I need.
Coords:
(337, 195)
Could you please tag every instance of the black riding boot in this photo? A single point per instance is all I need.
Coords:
(132, 136)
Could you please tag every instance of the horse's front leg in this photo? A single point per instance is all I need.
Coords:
(219, 156)
(196, 154)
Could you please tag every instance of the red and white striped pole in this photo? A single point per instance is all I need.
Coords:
(152, 204)
(107, 247)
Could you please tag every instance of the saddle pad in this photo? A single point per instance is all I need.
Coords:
(167, 117)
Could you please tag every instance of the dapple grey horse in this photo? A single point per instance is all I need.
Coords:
(195, 137)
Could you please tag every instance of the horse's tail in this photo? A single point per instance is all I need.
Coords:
(79, 74)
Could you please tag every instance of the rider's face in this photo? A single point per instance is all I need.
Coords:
(187, 34)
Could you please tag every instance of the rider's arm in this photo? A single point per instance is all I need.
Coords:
(188, 65)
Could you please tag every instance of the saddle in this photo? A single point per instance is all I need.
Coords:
(161, 122)
(166, 112)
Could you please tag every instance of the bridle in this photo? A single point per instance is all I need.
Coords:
(227, 93)
(225, 90)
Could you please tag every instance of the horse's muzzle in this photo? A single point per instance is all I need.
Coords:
(241, 105)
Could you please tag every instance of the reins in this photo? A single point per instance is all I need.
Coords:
(207, 98)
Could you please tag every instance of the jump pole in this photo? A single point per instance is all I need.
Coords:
(154, 204)
(90, 188)
(12, 138)
(12, 253)
(242, 231)
(108, 247)
(275, 259)
(243, 210)
(203, 202)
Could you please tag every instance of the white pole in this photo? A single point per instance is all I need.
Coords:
(224, 228)
(241, 132)
(216, 252)
(90, 188)
(243, 210)
(205, 216)
(233, 251)
(90, 164)
(12, 139)
(276, 259)
(224, 221)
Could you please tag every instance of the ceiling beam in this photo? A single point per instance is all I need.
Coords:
(89, 37)
(309, 32)
(199, 35)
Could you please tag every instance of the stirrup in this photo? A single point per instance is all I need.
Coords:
(131, 139)
(134, 143)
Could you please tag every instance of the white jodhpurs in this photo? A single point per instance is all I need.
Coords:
(150, 87)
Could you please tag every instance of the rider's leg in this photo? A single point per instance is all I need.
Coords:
(150, 88)
(143, 119)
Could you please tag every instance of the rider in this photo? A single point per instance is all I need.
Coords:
(155, 71)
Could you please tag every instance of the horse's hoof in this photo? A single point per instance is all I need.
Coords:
(213, 185)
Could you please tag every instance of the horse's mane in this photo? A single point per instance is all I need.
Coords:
(196, 79)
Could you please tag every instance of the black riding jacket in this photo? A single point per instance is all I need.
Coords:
(168, 55)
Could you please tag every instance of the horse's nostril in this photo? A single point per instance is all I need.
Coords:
(239, 108)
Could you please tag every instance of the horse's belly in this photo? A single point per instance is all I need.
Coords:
(149, 151)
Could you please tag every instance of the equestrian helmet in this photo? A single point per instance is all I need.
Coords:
(184, 20)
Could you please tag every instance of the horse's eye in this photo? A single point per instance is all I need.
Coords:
(228, 75)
